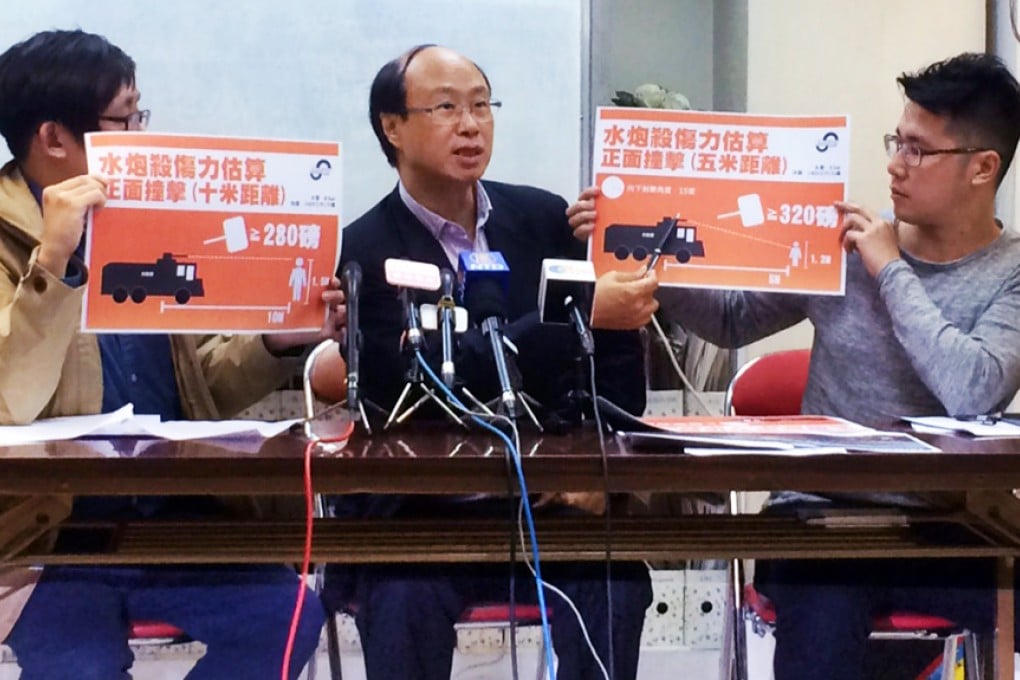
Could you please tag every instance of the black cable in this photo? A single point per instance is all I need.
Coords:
(611, 665)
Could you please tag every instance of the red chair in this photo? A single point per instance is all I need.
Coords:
(486, 615)
(769, 385)
(896, 625)
(497, 616)
(156, 633)
(773, 385)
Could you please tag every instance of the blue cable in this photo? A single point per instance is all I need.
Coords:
(516, 456)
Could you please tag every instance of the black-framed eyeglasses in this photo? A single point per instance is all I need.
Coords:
(448, 113)
(139, 120)
(913, 154)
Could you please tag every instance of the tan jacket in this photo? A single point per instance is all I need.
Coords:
(48, 368)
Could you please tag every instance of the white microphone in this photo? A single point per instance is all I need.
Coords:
(409, 275)
(564, 289)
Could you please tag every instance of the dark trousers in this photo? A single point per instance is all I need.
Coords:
(824, 608)
(76, 623)
(406, 615)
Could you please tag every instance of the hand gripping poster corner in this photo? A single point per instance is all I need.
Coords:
(211, 234)
(735, 200)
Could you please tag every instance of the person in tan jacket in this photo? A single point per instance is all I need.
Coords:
(72, 622)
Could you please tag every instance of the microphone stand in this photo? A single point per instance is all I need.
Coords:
(583, 358)
(414, 344)
(508, 404)
(351, 277)
(356, 406)
(445, 310)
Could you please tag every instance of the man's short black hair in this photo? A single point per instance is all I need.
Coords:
(979, 97)
(68, 77)
(389, 95)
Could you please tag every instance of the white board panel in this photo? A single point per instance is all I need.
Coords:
(302, 70)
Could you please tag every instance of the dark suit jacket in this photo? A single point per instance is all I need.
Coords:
(526, 225)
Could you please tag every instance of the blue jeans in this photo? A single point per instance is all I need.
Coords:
(75, 624)
(824, 607)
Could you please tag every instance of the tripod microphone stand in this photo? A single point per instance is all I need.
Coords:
(583, 359)
(415, 387)
(513, 400)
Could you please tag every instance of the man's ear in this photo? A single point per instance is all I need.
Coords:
(390, 127)
(985, 167)
(52, 139)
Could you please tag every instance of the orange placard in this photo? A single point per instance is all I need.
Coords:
(735, 200)
(211, 234)
(760, 425)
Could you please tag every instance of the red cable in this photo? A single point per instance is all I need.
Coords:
(307, 555)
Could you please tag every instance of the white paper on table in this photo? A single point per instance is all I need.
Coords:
(807, 451)
(124, 423)
(207, 429)
(65, 427)
(997, 428)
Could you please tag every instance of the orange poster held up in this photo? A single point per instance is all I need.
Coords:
(211, 234)
(729, 200)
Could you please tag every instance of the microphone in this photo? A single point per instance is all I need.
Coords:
(447, 306)
(409, 275)
(351, 278)
(485, 279)
(564, 289)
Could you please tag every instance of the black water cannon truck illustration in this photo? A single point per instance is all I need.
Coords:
(677, 237)
(168, 277)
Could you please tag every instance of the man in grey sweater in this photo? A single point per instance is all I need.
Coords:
(929, 325)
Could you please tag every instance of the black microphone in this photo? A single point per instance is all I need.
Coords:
(447, 306)
(351, 277)
(581, 327)
(486, 302)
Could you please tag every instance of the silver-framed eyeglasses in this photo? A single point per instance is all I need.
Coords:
(448, 113)
(139, 120)
(913, 154)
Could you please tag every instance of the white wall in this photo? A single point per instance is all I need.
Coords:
(1006, 44)
(729, 67)
(301, 69)
(669, 42)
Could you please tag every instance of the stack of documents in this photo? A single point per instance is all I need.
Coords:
(784, 435)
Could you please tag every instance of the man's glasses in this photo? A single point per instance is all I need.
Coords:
(913, 154)
(448, 113)
(139, 120)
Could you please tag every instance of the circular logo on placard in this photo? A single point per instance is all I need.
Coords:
(321, 169)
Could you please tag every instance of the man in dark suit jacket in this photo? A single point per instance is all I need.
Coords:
(432, 111)
(525, 225)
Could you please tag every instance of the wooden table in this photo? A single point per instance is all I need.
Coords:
(423, 459)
